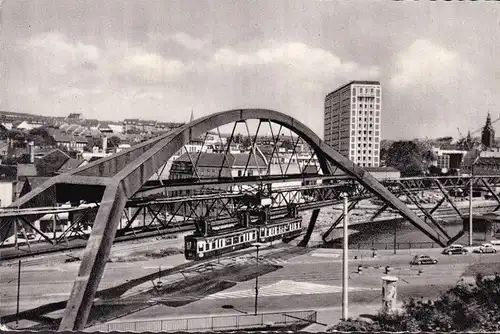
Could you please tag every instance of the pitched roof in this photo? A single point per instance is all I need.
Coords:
(32, 183)
(381, 169)
(51, 162)
(26, 170)
(8, 172)
(241, 160)
(489, 161)
(204, 159)
(60, 138)
(70, 164)
(310, 169)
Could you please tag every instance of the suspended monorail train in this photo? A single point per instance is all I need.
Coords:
(199, 247)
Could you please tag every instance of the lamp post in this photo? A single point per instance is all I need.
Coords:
(257, 245)
(345, 274)
(470, 203)
(18, 290)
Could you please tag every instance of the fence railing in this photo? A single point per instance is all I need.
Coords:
(213, 323)
(388, 245)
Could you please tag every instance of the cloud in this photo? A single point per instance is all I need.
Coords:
(55, 51)
(151, 66)
(298, 59)
(426, 62)
(188, 41)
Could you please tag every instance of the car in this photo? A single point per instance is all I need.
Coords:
(423, 259)
(486, 248)
(455, 249)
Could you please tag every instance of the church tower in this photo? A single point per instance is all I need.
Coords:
(488, 134)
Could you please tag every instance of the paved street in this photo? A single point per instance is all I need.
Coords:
(310, 281)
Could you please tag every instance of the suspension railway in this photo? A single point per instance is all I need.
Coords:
(225, 211)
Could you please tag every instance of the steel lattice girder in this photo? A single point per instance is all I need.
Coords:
(123, 174)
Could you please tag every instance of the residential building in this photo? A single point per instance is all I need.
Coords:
(75, 117)
(8, 182)
(210, 165)
(383, 173)
(70, 142)
(448, 159)
(352, 121)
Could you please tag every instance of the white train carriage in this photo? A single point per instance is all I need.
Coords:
(281, 228)
(200, 247)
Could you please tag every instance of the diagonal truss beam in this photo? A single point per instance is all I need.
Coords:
(325, 235)
(448, 198)
(122, 175)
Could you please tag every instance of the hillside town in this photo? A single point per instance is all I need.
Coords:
(34, 148)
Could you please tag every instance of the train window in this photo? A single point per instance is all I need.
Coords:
(235, 240)
(200, 247)
(207, 245)
(253, 235)
(188, 245)
(228, 241)
(213, 245)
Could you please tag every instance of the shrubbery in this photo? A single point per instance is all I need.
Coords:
(462, 308)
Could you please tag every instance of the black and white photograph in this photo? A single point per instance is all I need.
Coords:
(250, 165)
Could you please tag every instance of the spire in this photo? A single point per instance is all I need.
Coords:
(192, 116)
(488, 133)
(488, 120)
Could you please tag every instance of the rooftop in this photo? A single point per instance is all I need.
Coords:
(381, 169)
(355, 82)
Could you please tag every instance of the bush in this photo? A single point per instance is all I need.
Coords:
(355, 325)
(460, 308)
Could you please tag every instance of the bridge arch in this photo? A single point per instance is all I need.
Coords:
(120, 176)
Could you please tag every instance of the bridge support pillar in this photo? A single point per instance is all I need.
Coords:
(94, 259)
(310, 228)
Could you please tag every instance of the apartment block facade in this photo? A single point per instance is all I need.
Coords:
(352, 123)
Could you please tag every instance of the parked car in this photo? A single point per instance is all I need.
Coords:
(455, 249)
(486, 248)
(423, 259)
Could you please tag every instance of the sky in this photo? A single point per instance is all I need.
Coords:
(438, 62)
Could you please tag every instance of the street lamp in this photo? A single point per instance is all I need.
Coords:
(257, 245)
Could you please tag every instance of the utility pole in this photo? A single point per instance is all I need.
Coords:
(18, 290)
(470, 204)
(345, 274)
(257, 281)
(395, 230)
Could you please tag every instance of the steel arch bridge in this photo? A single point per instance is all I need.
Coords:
(114, 180)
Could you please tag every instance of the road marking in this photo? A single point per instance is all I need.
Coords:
(285, 288)
(325, 254)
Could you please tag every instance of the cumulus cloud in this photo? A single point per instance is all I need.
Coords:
(151, 66)
(430, 86)
(426, 62)
(298, 56)
(296, 60)
(188, 41)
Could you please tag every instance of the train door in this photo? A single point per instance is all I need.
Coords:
(201, 249)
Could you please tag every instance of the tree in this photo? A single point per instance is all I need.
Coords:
(287, 144)
(467, 143)
(246, 142)
(412, 158)
(91, 143)
(461, 308)
(41, 137)
(18, 137)
(238, 138)
(114, 141)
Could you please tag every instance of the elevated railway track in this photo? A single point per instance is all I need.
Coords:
(121, 190)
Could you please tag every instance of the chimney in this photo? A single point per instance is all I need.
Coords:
(104, 144)
(32, 151)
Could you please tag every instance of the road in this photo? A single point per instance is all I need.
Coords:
(310, 281)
